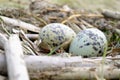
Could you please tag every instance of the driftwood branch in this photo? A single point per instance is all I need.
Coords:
(21, 24)
(111, 14)
(14, 57)
(70, 68)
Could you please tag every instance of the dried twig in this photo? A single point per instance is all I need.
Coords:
(39, 19)
(87, 24)
(60, 46)
(79, 15)
(30, 36)
(3, 27)
(71, 17)
(21, 24)
(74, 27)
(32, 45)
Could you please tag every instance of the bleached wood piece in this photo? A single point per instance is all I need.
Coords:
(111, 14)
(32, 36)
(3, 41)
(3, 77)
(14, 56)
(20, 23)
(69, 68)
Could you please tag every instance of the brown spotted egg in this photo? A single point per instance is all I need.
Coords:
(55, 34)
(88, 43)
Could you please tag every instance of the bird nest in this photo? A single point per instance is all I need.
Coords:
(27, 25)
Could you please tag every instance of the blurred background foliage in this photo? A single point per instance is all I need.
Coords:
(78, 4)
(91, 4)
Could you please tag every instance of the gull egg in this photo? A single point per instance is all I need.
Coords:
(88, 43)
(55, 34)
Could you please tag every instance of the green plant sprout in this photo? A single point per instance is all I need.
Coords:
(103, 61)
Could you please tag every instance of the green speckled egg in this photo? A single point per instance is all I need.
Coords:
(55, 34)
(88, 43)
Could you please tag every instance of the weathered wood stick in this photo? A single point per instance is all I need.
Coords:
(3, 41)
(14, 56)
(70, 68)
(21, 24)
(111, 14)
(30, 36)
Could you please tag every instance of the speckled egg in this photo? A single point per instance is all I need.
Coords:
(88, 43)
(55, 34)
